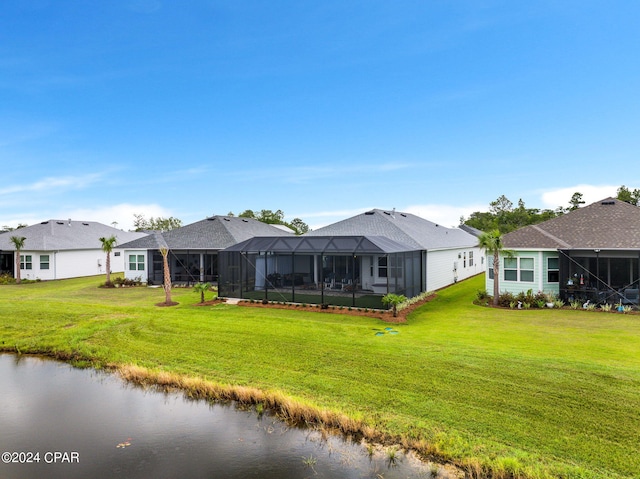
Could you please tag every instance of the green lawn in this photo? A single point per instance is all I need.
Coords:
(524, 393)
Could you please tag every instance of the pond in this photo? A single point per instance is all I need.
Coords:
(57, 421)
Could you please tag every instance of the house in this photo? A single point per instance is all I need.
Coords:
(591, 253)
(57, 249)
(193, 249)
(374, 253)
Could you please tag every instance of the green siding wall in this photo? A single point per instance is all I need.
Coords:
(540, 273)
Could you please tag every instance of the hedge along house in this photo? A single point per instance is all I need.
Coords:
(592, 253)
(193, 249)
(353, 262)
(57, 249)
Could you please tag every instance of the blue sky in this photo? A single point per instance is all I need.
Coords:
(321, 109)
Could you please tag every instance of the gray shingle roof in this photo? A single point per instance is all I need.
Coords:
(214, 233)
(404, 228)
(606, 224)
(321, 244)
(59, 235)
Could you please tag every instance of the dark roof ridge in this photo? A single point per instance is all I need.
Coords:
(561, 242)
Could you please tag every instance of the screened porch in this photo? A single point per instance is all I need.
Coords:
(345, 271)
(600, 276)
(186, 267)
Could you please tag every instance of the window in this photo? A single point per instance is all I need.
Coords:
(136, 262)
(511, 269)
(116, 253)
(470, 259)
(44, 261)
(464, 261)
(26, 261)
(382, 267)
(526, 269)
(518, 269)
(553, 270)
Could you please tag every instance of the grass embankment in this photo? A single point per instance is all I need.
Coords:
(508, 393)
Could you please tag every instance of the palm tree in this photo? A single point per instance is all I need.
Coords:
(492, 243)
(164, 251)
(107, 247)
(18, 243)
(201, 288)
(394, 300)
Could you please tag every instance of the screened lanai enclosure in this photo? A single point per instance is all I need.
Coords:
(600, 276)
(338, 270)
(186, 267)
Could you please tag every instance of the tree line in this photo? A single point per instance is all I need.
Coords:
(275, 218)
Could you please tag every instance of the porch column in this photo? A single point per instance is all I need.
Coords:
(201, 267)
(293, 278)
(315, 269)
(353, 281)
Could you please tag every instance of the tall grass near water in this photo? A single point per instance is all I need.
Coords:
(500, 393)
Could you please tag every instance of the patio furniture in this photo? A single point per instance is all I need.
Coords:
(631, 296)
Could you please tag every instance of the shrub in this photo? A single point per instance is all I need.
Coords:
(415, 299)
(7, 279)
(505, 299)
(482, 295)
(540, 303)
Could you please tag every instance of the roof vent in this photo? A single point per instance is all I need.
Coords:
(403, 215)
(387, 213)
(226, 219)
(60, 222)
(370, 213)
(244, 220)
(86, 224)
(44, 223)
(609, 202)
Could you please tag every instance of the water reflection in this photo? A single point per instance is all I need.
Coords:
(118, 430)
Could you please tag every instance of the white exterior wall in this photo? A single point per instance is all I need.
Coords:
(137, 273)
(445, 267)
(71, 264)
(366, 279)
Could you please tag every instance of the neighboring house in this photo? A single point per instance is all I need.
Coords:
(193, 249)
(57, 249)
(376, 252)
(592, 253)
(447, 254)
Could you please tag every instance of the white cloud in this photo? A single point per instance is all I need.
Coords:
(590, 194)
(45, 185)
